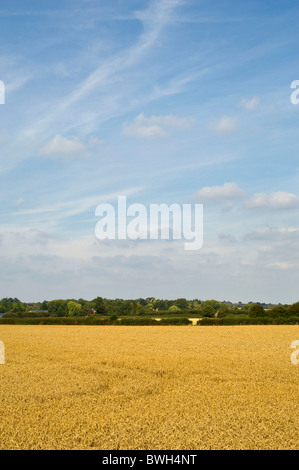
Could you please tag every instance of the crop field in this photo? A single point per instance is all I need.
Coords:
(149, 387)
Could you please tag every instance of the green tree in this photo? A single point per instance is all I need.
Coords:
(44, 305)
(212, 303)
(293, 310)
(58, 308)
(256, 310)
(278, 311)
(182, 304)
(161, 305)
(139, 308)
(223, 311)
(149, 307)
(174, 309)
(19, 308)
(74, 309)
(208, 311)
(100, 306)
(8, 302)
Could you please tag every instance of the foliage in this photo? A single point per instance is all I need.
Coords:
(74, 308)
(207, 311)
(99, 305)
(58, 308)
(150, 306)
(256, 310)
(174, 308)
(175, 321)
(293, 310)
(182, 304)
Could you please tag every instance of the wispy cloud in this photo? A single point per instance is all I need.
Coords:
(65, 209)
(225, 125)
(69, 146)
(230, 192)
(154, 20)
(279, 200)
(227, 192)
(64, 146)
(17, 83)
(280, 265)
(155, 126)
(250, 104)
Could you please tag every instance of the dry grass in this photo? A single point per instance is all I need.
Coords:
(177, 387)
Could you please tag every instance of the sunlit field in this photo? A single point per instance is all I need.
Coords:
(149, 387)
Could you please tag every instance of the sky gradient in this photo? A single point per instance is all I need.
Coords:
(165, 101)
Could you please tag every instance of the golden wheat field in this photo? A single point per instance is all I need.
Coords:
(148, 387)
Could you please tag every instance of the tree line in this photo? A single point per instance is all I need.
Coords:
(99, 306)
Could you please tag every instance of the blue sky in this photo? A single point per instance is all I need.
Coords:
(165, 101)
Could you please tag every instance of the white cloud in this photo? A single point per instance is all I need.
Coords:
(227, 192)
(279, 265)
(64, 146)
(155, 126)
(72, 146)
(274, 201)
(16, 84)
(225, 125)
(251, 104)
